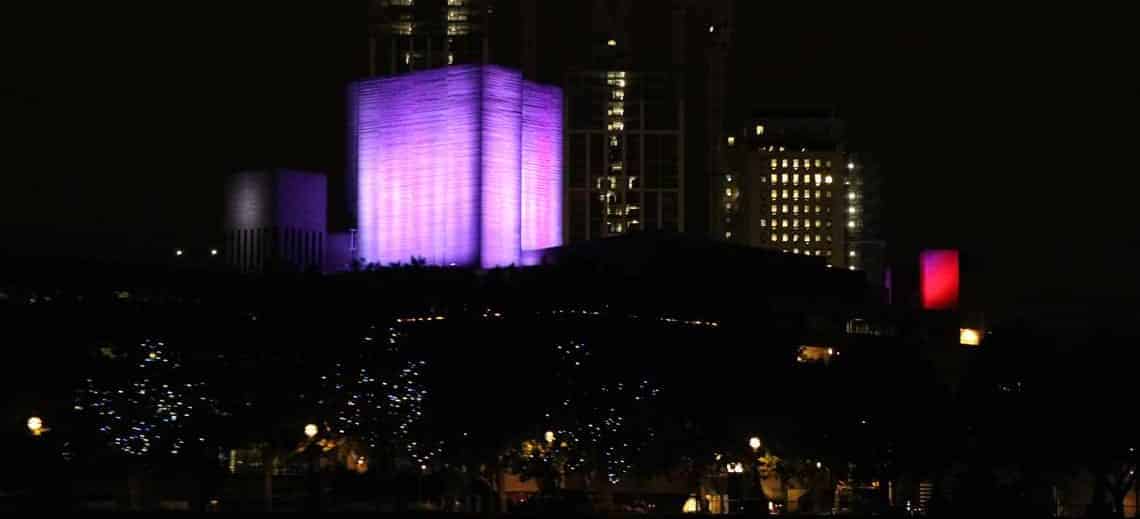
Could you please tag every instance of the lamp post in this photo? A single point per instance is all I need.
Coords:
(314, 480)
(758, 485)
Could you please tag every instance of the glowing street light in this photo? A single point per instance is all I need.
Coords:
(36, 425)
(213, 252)
(548, 436)
(754, 442)
(311, 430)
(177, 252)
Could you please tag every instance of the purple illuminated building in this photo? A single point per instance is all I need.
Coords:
(458, 165)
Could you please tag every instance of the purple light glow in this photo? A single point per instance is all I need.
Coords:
(461, 165)
(541, 169)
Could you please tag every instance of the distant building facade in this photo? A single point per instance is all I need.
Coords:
(644, 83)
(644, 90)
(409, 35)
(789, 182)
(457, 166)
(275, 219)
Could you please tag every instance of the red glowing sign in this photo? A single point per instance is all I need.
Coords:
(939, 279)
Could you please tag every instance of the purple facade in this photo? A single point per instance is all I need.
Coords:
(458, 165)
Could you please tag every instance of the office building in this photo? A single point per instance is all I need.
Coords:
(644, 83)
(786, 183)
(457, 166)
(275, 220)
(408, 35)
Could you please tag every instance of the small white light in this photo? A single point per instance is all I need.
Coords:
(850, 165)
(311, 430)
(213, 252)
(712, 28)
(852, 254)
(819, 465)
(177, 252)
(612, 43)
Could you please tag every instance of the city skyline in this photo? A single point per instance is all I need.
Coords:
(951, 120)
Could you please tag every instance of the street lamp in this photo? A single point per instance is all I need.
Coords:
(314, 481)
(755, 443)
(36, 425)
(548, 436)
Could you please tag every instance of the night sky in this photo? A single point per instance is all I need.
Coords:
(1009, 135)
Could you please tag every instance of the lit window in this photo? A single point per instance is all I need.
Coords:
(728, 234)
(795, 209)
(795, 178)
(774, 193)
(784, 223)
(796, 163)
(759, 129)
(784, 163)
(784, 208)
(829, 194)
(851, 210)
(775, 164)
(818, 224)
(773, 209)
(775, 178)
(969, 337)
(795, 251)
(828, 179)
(784, 178)
(807, 238)
(850, 224)
(852, 267)
(829, 164)
(851, 254)
(817, 163)
(763, 223)
(784, 237)
(851, 195)
(612, 43)
(795, 237)
(731, 140)
(796, 194)
(817, 208)
(817, 236)
(829, 237)
(795, 224)
(775, 237)
(785, 194)
(818, 179)
(807, 208)
(818, 193)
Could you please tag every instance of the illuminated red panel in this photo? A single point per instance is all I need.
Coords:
(939, 279)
